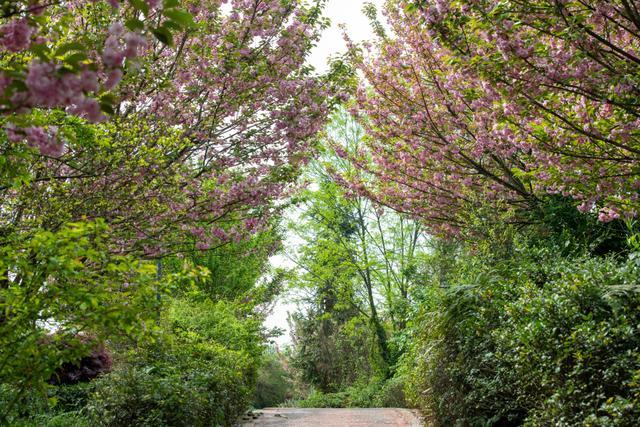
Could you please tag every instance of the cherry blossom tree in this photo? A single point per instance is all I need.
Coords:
(566, 73)
(181, 129)
(505, 102)
(70, 55)
(206, 131)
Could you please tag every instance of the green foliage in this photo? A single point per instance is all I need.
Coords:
(332, 350)
(359, 263)
(317, 399)
(61, 408)
(374, 393)
(202, 371)
(392, 393)
(274, 384)
(199, 366)
(227, 278)
(531, 338)
(559, 223)
(68, 282)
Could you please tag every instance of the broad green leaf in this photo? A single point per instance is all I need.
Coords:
(70, 47)
(140, 5)
(134, 24)
(163, 35)
(181, 17)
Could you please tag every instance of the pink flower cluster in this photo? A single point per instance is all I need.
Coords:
(218, 125)
(44, 140)
(500, 112)
(152, 4)
(48, 87)
(15, 36)
(121, 45)
(225, 126)
(52, 84)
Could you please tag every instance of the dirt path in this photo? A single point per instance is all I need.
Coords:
(297, 417)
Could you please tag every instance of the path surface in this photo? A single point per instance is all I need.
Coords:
(297, 417)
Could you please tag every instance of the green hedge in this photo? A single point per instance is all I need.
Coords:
(201, 373)
(534, 339)
(375, 393)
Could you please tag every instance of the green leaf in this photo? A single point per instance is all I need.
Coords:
(19, 85)
(41, 51)
(69, 47)
(171, 3)
(134, 24)
(181, 17)
(74, 58)
(172, 25)
(140, 5)
(108, 98)
(163, 35)
(107, 108)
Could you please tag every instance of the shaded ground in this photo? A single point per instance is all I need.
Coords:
(295, 417)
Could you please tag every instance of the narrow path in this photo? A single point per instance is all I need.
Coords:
(298, 417)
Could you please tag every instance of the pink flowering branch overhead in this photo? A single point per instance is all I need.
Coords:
(469, 102)
(566, 73)
(206, 134)
(58, 55)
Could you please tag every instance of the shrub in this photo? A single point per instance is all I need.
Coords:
(202, 372)
(60, 406)
(392, 394)
(375, 393)
(274, 384)
(317, 399)
(141, 397)
(97, 362)
(533, 339)
(72, 398)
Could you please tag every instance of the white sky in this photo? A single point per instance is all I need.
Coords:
(349, 13)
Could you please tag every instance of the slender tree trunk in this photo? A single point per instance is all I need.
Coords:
(381, 334)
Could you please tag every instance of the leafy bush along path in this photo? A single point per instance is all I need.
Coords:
(335, 417)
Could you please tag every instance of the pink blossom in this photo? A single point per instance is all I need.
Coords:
(116, 29)
(113, 78)
(45, 141)
(43, 83)
(608, 215)
(5, 81)
(89, 109)
(89, 80)
(134, 42)
(113, 55)
(16, 35)
(13, 133)
(203, 246)
(153, 4)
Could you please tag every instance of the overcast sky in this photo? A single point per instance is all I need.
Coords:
(349, 13)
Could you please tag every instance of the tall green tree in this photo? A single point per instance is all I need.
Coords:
(363, 255)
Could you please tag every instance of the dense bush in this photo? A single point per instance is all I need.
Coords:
(532, 339)
(374, 393)
(87, 368)
(60, 406)
(202, 371)
(274, 384)
(332, 348)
